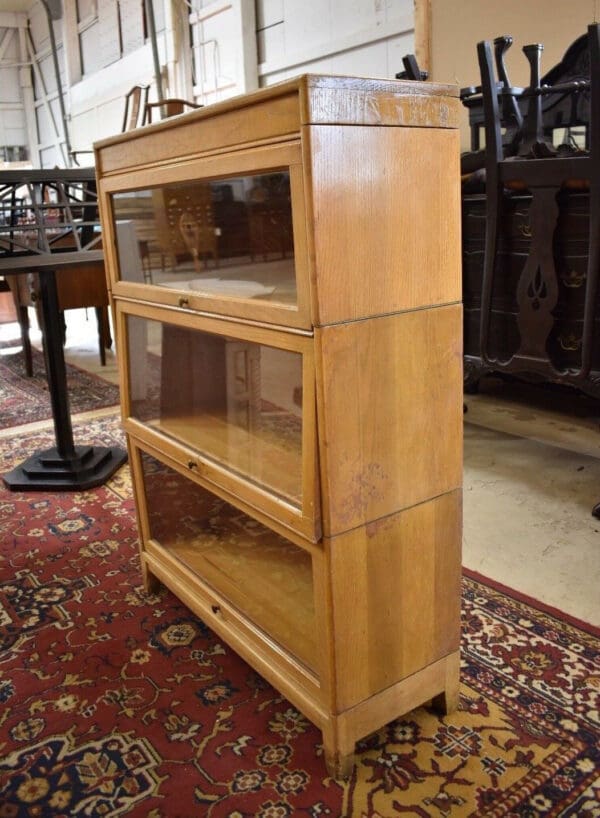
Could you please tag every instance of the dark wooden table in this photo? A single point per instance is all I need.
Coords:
(65, 466)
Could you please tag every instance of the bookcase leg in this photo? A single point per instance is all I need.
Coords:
(339, 754)
(447, 701)
(339, 766)
(150, 582)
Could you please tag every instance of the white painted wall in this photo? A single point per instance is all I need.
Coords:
(223, 49)
(13, 120)
(553, 23)
(51, 148)
(208, 50)
(356, 37)
(112, 57)
(96, 103)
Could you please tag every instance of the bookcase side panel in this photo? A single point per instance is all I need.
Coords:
(386, 209)
(389, 414)
(395, 597)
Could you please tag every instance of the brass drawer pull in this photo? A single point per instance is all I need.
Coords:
(216, 609)
(183, 301)
(570, 343)
(572, 279)
(192, 464)
(525, 230)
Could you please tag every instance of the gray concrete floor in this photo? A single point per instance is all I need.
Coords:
(531, 478)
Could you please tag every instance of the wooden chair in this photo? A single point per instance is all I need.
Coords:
(411, 70)
(134, 114)
(136, 100)
(560, 108)
(538, 168)
(167, 108)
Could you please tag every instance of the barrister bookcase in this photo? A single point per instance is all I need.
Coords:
(284, 271)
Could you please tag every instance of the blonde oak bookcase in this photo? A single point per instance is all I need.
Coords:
(284, 270)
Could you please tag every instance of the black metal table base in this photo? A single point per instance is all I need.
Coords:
(88, 467)
(65, 466)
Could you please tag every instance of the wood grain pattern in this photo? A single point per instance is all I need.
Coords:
(278, 111)
(399, 108)
(395, 596)
(381, 708)
(374, 629)
(192, 163)
(387, 213)
(203, 131)
(312, 83)
(423, 34)
(389, 414)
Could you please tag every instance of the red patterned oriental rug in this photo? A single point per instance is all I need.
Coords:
(115, 703)
(25, 400)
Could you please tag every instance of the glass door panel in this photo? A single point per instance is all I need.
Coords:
(225, 237)
(236, 402)
(264, 575)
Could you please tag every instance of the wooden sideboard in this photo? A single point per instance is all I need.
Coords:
(294, 413)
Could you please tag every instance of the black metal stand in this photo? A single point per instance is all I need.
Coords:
(64, 466)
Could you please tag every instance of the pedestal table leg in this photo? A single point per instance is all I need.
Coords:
(64, 466)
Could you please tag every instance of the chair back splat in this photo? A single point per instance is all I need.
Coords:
(135, 106)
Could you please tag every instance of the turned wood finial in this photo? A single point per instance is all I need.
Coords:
(501, 46)
(511, 113)
(533, 142)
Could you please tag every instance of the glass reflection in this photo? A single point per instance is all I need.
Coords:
(263, 574)
(236, 402)
(224, 237)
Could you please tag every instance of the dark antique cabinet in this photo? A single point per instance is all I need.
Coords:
(531, 241)
(570, 253)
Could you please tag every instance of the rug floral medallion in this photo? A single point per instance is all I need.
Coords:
(116, 703)
(26, 399)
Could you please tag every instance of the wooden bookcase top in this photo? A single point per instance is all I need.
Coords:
(280, 111)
